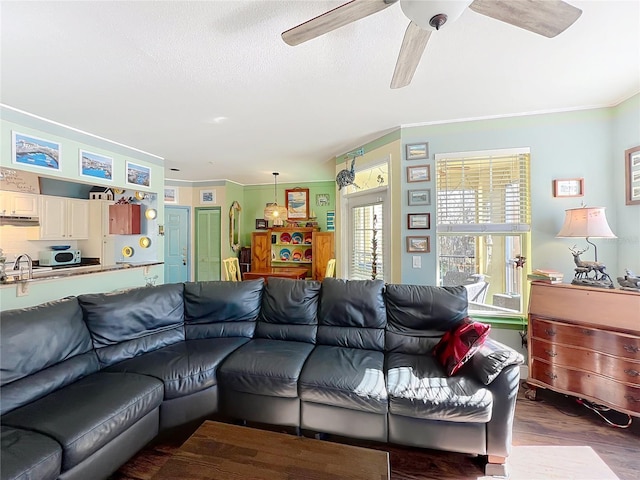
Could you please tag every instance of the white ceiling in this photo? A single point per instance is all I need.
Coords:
(156, 75)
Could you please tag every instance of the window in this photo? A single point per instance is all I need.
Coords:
(365, 210)
(483, 225)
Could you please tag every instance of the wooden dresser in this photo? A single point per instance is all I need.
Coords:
(585, 342)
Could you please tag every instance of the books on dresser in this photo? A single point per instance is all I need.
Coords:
(546, 276)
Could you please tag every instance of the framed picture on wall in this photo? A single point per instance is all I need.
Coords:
(95, 165)
(420, 197)
(418, 244)
(207, 197)
(417, 151)
(632, 175)
(419, 173)
(35, 152)
(170, 195)
(297, 203)
(568, 187)
(138, 174)
(417, 221)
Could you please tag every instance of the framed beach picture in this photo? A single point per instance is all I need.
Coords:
(138, 175)
(418, 244)
(420, 197)
(419, 173)
(170, 195)
(417, 151)
(95, 165)
(297, 203)
(36, 152)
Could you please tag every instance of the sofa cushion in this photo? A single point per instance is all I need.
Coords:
(419, 388)
(88, 414)
(418, 315)
(221, 309)
(491, 358)
(289, 310)
(352, 314)
(185, 367)
(43, 348)
(345, 377)
(265, 367)
(126, 324)
(457, 346)
(28, 455)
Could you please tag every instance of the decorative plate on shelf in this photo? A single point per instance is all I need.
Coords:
(296, 256)
(285, 238)
(296, 238)
(285, 254)
(60, 247)
(151, 213)
(140, 195)
(308, 254)
(127, 251)
(307, 238)
(145, 242)
(118, 191)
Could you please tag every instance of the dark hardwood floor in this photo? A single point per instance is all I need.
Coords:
(552, 419)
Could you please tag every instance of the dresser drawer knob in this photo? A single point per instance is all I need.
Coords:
(550, 331)
(552, 376)
(632, 348)
(587, 332)
(631, 398)
(551, 353)
(633, 373)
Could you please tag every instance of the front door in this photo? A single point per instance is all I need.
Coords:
(176, 244)
(208, 261)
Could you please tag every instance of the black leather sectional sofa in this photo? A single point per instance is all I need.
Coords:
(87, 381)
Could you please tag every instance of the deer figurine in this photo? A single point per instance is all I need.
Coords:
(346, 177)
(584, 267)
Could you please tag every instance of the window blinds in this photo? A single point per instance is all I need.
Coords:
(363, 238)
(483, 194)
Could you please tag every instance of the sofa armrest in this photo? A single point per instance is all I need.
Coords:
(487, 363)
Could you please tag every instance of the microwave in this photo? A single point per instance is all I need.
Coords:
(59, 257)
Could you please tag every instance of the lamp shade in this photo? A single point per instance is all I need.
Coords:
(586, 222)
(273, 212)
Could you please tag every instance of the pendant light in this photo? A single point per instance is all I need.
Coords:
(273, 211)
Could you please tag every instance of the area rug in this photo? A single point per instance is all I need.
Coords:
(556, 463)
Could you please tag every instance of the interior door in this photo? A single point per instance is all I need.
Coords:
(208, 261)
(176, 244)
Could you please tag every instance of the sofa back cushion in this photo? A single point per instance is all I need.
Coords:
(289, 310)
(352, 314)
(43, 349)
(221, 309)
(418, 315)
(127, 324)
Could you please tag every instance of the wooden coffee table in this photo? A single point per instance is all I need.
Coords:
(229, 452)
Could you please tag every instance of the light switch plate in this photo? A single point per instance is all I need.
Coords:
(417, 261)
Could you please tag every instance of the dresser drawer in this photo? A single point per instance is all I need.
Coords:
(567, 356)
(599, 389)
(613, 343)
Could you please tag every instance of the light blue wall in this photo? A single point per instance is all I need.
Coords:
(587, 143)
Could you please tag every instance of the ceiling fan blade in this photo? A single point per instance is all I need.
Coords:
(413, 45)
(544, 17)
(336, 18)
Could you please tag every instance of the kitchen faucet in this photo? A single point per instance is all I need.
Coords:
(16, 266)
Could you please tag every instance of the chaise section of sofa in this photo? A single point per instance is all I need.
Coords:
(52, 386)
(259, 381)
(342, 386)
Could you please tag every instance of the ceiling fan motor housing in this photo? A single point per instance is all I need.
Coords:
(432, 14)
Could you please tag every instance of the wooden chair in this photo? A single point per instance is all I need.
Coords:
(331, 268)
(232, 269)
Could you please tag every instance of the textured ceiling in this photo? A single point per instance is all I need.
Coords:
(159, 75)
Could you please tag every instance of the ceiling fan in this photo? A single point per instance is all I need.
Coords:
(544, 17)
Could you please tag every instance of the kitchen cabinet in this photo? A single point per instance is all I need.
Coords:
(293, 247)
(100, 244)
(63, 218)
(124, 219)
(18, 204)
(585, 342)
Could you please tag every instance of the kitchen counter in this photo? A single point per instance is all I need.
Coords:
(70, 271)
